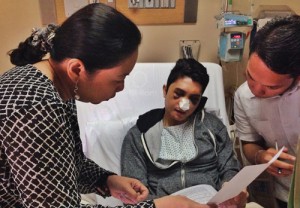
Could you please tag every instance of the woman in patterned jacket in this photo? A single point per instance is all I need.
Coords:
(41, 158)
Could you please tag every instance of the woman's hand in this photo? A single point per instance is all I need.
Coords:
(179, 202)
(128, 190)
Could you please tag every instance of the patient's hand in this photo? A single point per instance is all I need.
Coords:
(238, 201)
(128, 190)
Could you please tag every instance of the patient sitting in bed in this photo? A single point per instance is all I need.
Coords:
(181, 145)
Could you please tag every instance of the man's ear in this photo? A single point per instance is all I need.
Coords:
(165, 91)
(74, 68)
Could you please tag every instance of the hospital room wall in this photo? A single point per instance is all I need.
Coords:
(160, 42)
(17, 18)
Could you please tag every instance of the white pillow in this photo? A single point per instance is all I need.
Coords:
(104, 145)
(105, 140)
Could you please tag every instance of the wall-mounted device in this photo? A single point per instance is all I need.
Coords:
(189, 49)
(231, 46)
(233, 20)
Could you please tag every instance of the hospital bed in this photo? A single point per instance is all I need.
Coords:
(103, 126)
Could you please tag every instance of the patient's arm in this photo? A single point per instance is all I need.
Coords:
(228, 165)
(133, 158)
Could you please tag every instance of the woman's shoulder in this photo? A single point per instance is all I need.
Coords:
(26, 84)
(23, 87)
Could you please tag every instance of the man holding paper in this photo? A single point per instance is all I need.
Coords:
(267, 106)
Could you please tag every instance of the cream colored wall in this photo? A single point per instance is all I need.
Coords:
(17, 18)
(160, 42)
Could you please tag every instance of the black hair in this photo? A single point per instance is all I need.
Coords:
(189, 68)
(98, 35)
(278, 45)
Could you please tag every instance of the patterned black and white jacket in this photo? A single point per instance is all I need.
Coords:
(41, 159)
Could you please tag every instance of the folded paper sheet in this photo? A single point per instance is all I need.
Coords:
(241, 180)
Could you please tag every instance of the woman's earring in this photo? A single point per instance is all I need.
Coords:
(77, 97)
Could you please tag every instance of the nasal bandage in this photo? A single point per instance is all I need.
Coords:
(184, 104)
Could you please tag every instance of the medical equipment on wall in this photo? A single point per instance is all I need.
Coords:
(189, 48)
(233, 20)
(231, 46)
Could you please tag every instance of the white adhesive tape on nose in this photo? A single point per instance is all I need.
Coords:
(184, 104)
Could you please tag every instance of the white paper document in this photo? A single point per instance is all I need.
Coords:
(241, 180)
(199, 193)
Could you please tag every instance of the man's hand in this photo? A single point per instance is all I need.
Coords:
(284, 163)
(256, 154)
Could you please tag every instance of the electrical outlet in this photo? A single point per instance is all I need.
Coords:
(189, 49)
